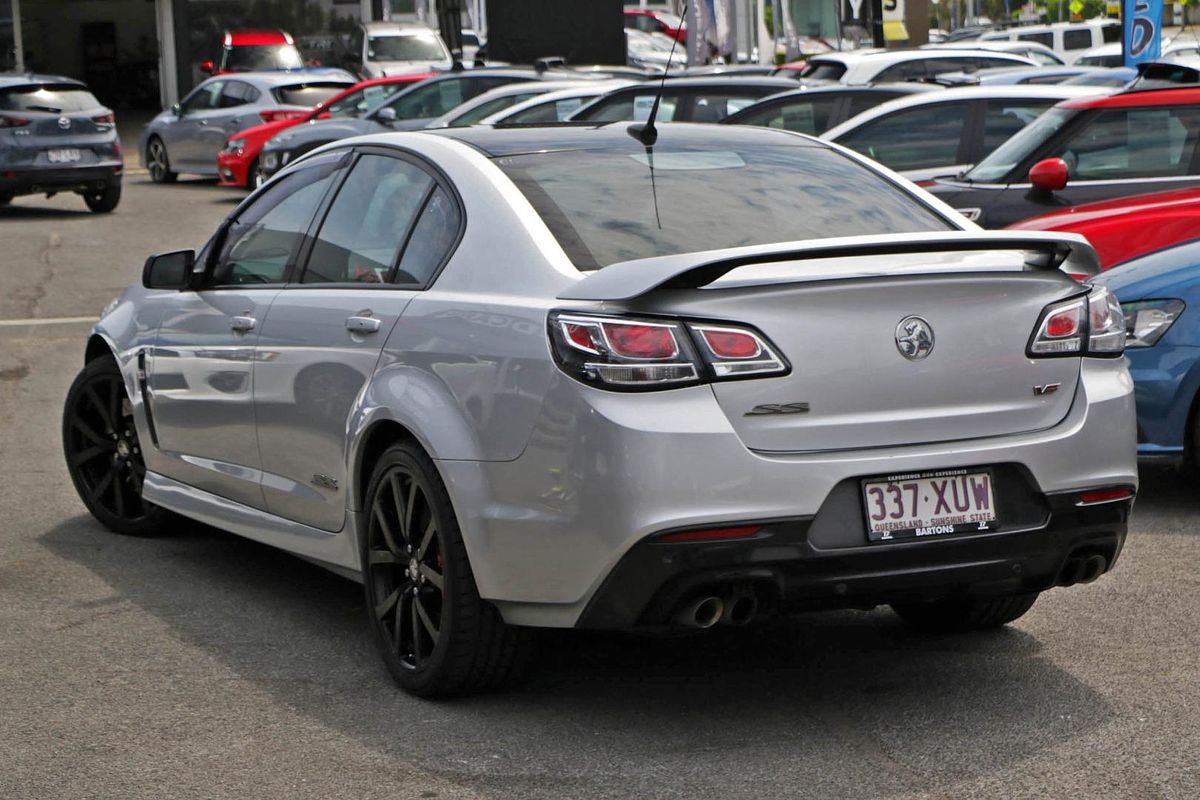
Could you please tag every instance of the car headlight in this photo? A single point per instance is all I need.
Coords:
(1147, 321)
(235, 146)
(270, 160)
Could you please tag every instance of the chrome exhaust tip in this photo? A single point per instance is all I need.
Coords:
(1093, 568)
(703, 611)
(740, 609)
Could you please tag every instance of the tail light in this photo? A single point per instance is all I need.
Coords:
(1092, 325)
(632, 354)
(105, 119)
(278, 114)
(12, 122)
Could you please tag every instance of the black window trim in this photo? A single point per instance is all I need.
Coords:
(440, 180)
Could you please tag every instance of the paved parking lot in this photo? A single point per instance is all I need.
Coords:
(202, 665)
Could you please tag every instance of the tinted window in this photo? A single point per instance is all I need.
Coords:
(1077, 39)
(486, 109)
(248, 58)
(431, 239)
(823, 70)
(410, 47)
(605, 206)
(1005, 158)
(555, 111)
(237, 93)
(801, 114)
(1003, 118)
(47, 97)
(307, 94)
(1042, 37)
(1110, 33)
(865, 101)
(264, 240)
(1045, 80)
(906, 71)
(629, 106)
(362, 100)
(1134, 143)
(204, 98)
(434, 99)
(1115, 60)
(361, 236)
(928, 136)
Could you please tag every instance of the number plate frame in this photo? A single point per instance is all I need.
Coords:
(930, 531)
(64, 155)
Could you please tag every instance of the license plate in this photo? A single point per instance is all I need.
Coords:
(922, 504)
(64, 155)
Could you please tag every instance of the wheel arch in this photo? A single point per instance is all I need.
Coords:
(377, 438)
(97, 347)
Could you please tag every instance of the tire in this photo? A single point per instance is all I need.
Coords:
(158, 163)
(6, 198)
(254, 176)
(103, 454)
(104, 201)
(436, 641)
(958, 614)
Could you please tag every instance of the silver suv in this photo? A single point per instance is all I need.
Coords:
(55, 136)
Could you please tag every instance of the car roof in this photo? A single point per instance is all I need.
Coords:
(712, 83)
(899, 87)
(254, 36)
(398, 28)
(584, 90)
(500, 142)
(854, 58)
(11, 79)
(1143, 97)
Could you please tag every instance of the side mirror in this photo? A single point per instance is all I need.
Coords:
(1049, 174)
(386, 115)
(169, 270)
(177, 109)
(208, 66)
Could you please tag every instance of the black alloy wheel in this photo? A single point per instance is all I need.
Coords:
(157, 162)
(435, 634)
(105, 200)
(103, 453)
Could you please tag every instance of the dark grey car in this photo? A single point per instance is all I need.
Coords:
(55, 136)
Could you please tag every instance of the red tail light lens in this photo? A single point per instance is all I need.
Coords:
(1093, 325)
(278, 114)
(105, 119)
(1062, 323)
(637, 354)
(12, 122)
(1109, 495)
(710, 535)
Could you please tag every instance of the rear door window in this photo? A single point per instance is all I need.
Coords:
(237, 93)
(307, 94)
(1041, 37)
(1077, 39)
(915, 138)
(801, 114)
(205, 98)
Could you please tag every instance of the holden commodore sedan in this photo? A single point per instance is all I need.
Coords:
(525, 378)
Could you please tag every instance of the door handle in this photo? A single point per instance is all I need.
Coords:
(359, 324)
(243, 324)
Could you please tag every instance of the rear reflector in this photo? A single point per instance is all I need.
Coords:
(1097, 496)
(710, 535)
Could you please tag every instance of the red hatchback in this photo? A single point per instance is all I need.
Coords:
(237, 163)
(1128, 227)
(253, 50)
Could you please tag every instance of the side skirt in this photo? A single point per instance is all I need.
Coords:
(334, 551)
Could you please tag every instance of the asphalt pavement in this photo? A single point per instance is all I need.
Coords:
(201, 665)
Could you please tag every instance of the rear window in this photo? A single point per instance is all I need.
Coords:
(606, 206)
(248, 58)
(306, 94)
(408, 47)
(53, 99)
(823, 70)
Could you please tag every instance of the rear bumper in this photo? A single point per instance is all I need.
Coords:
(604, 472)
(786, 571)
(91, 177)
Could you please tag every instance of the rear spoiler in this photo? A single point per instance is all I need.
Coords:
(628, 279)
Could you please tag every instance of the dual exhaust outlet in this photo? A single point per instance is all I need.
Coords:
(737, 606)
(1082, 569)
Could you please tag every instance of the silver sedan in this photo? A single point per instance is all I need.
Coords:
(188, 136)
(606, 378)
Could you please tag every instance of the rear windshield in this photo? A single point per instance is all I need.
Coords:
(47, 97)
(823, 70)
(247, 58)
(409, 47)
(606, 206)
(306, 94)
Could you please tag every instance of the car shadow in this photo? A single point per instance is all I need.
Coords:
(852, 701)
(17, 211)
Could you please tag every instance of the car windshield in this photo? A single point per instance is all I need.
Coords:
(1005, 158)
(407, 47)
(47, 97)
(606, 206)
(306, 94)
(247, 58)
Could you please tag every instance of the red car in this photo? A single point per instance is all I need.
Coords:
(1129, 226)
(253, 50)
(656, 22)
(237, 162)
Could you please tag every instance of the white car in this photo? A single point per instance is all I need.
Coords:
(1110, 55)
(553, 106)
(857, 68)
(497, 100)
(384, 49)
(927, 135)
(1068, 39)
(1035, 50)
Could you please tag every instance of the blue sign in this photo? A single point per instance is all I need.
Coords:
(1142, 36)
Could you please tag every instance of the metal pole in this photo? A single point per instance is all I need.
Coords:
(18, 48)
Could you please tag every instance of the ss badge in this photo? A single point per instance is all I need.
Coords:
(1046, 388)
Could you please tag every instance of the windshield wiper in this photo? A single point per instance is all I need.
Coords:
(50, 109)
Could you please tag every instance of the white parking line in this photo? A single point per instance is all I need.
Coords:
(13, 323)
